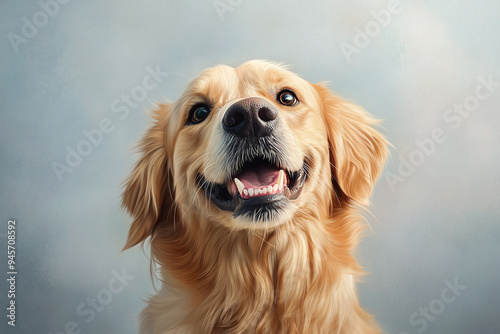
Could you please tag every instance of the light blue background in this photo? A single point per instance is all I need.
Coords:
(440, 223)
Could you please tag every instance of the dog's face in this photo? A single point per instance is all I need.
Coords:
(249, 142)
(252, 147)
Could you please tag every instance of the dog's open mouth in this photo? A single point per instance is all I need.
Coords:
(258, 190)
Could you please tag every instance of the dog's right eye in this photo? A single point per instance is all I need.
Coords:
(198, 114)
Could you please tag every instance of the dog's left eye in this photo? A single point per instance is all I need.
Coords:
(198, 114)
(287, 98)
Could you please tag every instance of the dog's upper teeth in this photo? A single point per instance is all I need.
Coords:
(239, 185)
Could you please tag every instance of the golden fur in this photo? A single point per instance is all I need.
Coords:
(296, 274)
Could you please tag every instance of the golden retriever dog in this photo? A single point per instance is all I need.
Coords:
(250, 188)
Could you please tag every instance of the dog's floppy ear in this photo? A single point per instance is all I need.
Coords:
(357, 150)
(147, 192)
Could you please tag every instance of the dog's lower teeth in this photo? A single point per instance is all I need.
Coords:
(253, 192)
(281, 175)
(247, 193)
(239, 185)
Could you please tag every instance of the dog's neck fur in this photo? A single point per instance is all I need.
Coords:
(285, 281)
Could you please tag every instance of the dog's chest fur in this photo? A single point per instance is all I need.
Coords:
(290, 281)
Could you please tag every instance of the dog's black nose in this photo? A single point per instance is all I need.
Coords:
(250, 117)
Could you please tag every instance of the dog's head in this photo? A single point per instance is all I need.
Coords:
(252, 147)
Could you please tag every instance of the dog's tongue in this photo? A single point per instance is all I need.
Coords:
(260, 177)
